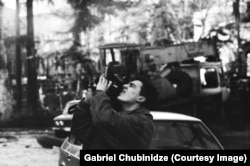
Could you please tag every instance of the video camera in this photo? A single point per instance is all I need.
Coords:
(118, 80)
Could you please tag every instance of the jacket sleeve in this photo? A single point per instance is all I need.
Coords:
(109, 120)
(82, 126)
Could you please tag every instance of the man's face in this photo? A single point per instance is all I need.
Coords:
(130, 92)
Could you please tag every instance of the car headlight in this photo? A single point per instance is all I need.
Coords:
(56, 123)
(59, 123)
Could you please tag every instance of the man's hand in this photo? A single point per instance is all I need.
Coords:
(103, 84)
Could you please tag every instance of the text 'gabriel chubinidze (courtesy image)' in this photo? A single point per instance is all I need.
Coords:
(164, 158)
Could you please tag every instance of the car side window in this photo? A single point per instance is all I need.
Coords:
(182, 135)
(209, 78)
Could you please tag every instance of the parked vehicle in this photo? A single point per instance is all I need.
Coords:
(171, 131)
(62, 123)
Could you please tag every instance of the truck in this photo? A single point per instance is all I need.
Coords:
(189, 76)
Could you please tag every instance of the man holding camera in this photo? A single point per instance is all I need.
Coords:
(99, 126)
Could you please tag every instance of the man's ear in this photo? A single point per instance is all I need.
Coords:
(141, 99)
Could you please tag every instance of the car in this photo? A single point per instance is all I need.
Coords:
(62, 123)
(171, 131)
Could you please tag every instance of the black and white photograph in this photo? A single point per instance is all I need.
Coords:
(81, 80)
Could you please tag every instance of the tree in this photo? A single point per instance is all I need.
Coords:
(161, 23)
(204, 7)
(164, 21)
(6, 100)
(89, 13)
(171, 20)
(32, 92)
(134, 22)
(18, 61)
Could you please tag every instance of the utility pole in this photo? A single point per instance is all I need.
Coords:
(18, 61)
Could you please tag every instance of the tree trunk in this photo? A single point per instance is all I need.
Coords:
(18, 63)
(6, 101)
(32, 89)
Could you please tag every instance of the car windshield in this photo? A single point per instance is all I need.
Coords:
(69, 104)
(182, 135)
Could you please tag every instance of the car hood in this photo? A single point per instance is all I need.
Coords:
(157, 115)
(64, 117)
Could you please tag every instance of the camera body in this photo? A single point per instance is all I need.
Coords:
(116, 86)
(117, 83)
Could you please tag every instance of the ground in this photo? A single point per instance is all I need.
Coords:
(20, 148)
(24, 150)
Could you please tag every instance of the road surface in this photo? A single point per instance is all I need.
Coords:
(24, 150)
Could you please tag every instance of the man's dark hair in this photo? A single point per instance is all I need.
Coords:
(147, 90)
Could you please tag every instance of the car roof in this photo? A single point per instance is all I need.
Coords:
(161, 115)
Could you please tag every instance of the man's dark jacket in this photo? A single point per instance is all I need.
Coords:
(98, 126)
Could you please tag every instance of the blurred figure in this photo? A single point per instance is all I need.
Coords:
(227, 56)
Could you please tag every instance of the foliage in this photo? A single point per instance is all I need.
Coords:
(197, 5)
(136, 22)
(161, 23)
(89, 13)
(165, 21)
